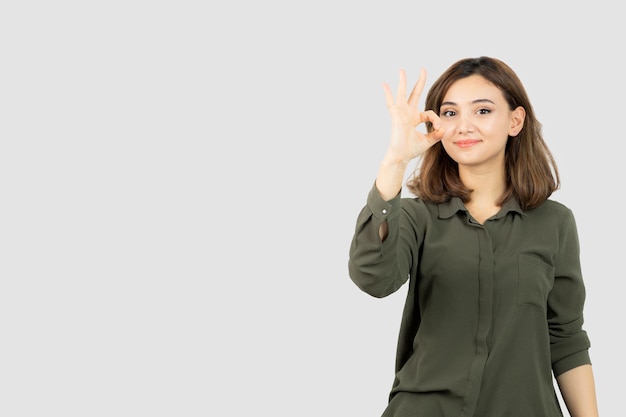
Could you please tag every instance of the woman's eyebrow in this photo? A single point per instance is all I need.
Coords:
(479, 100)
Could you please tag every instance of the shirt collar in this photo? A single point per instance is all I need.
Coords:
(449, 208)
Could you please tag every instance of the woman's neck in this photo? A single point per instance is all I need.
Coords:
(488, 188)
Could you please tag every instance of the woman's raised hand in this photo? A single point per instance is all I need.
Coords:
(406, 141)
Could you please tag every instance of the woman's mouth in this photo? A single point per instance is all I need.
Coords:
(467, 143)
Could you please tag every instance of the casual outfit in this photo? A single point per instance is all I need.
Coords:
(492, 311)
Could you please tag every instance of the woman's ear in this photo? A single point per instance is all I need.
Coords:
(517, 121)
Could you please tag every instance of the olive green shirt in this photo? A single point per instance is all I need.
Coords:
(492, 311)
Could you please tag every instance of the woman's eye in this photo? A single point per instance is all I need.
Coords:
(484, 111)
(448, 113)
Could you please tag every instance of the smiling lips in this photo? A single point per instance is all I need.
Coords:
(466, 143)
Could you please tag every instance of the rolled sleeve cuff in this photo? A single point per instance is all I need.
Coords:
(571, 362)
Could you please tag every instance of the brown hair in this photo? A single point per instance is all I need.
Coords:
(531, 171)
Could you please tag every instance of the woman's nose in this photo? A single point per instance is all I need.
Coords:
(464, 124)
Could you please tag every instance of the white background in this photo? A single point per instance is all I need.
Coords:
(179, 184)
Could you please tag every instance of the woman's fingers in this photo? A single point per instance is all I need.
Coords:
(406, 141)
(405, 111)
(400, 98)
(401, 87)
(432, 117)
(388, 95)
(436, 134)
(417, 89)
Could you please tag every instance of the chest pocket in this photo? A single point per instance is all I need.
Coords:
(534, 281)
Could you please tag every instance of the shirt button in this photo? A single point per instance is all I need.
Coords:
(384, 211)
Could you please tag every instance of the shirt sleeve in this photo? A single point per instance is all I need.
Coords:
(376, 267)
(569, 344)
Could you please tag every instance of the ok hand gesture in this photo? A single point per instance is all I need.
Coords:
(406, 141)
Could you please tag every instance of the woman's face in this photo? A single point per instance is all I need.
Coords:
(477, 122)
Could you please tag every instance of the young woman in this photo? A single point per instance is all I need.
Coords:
(494, 306)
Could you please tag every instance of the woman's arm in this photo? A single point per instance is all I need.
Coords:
(578, 391)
